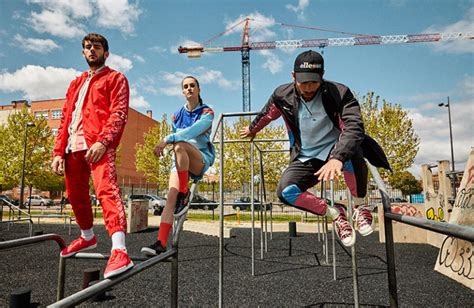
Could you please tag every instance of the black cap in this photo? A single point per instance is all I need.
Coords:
(309, 66)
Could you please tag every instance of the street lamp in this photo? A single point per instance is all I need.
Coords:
(453, 178)
(22, 183)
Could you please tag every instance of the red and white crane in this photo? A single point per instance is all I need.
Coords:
(357, 40)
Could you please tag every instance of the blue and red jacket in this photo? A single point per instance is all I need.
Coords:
(193, 127)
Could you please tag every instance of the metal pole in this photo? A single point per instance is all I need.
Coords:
(221, 211)
(389, 245)
(22, 181)
(333, 235)
(252, 206)
(355, 280)
(61, 279)
(453, 180)
(174, 280)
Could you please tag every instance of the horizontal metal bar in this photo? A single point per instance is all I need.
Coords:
(459, 231)
(32, 240)
(104, 285)
(255, 140)
(16, 220)
(103, 256)
(239, 114)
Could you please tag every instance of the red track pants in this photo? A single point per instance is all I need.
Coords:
(104, 176)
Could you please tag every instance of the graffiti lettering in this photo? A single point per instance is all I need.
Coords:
(456, 255)
(430, 214)
(464, 201)
(406, 209)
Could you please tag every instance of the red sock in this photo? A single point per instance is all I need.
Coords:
(183, 181)
(164, 233)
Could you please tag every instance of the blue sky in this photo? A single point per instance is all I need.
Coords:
(40, 53)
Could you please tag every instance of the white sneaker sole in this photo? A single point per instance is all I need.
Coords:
(81, 250)
(148, 251)
(118, 271)
(351, 242)
(367, 230)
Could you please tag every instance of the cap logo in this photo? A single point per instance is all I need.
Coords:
(310, 65)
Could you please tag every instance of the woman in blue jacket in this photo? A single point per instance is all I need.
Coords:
(193, 155)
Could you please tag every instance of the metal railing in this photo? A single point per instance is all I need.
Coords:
(13, 218)
(462, 232)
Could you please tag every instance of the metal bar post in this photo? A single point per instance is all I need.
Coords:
(221, 211)
(333, 235)
(252, 207)
(61, 279)
(174, 280)
(355, 278)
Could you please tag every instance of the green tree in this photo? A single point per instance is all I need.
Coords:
(237, 155)
(155, 169)
(390, 125)
(38, 149)
(406, 182)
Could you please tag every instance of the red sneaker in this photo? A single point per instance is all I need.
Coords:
(343, 229)
(365, 222)
(119, 262)
(78, 245)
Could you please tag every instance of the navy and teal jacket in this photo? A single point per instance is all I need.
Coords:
(341, 107)
(193, 127)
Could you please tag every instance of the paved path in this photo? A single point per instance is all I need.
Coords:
(280, 280)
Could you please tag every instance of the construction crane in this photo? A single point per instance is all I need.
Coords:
(358, 40)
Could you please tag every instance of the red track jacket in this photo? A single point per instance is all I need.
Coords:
(104, 112)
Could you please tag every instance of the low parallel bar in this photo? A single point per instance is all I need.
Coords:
(459, 231)
(32, 240)
(106, 284)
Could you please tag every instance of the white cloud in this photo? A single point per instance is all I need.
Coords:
(466, 86)
(136, 100)
(259, 26)
(208, 76)
(139, 58)
(66, 19)
(119, 63)
(299, 9)
(117, 14)
(73, 8)
(157, 49)
(431, 123)
(172, 81)
(466, 25)
(37, 82)
(56, 23)
(272, 63)
(35, 45)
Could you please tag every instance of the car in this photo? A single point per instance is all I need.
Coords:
(38, 200)
(243, 203)
(155, 203)
(202, 203)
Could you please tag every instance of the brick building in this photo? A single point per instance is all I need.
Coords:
(138, 124)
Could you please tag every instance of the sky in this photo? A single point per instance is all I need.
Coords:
(40, 53)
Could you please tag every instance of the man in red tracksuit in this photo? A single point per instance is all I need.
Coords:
(92, 123)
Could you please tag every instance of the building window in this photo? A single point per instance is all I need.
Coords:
(39, 114)
(56, 114)
(54, 131)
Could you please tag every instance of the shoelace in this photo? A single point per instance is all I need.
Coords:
(360, 215)
(343, 226)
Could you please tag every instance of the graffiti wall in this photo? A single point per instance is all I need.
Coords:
(455, 258)
(403, 233)
(137, 216)
(436, 206)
